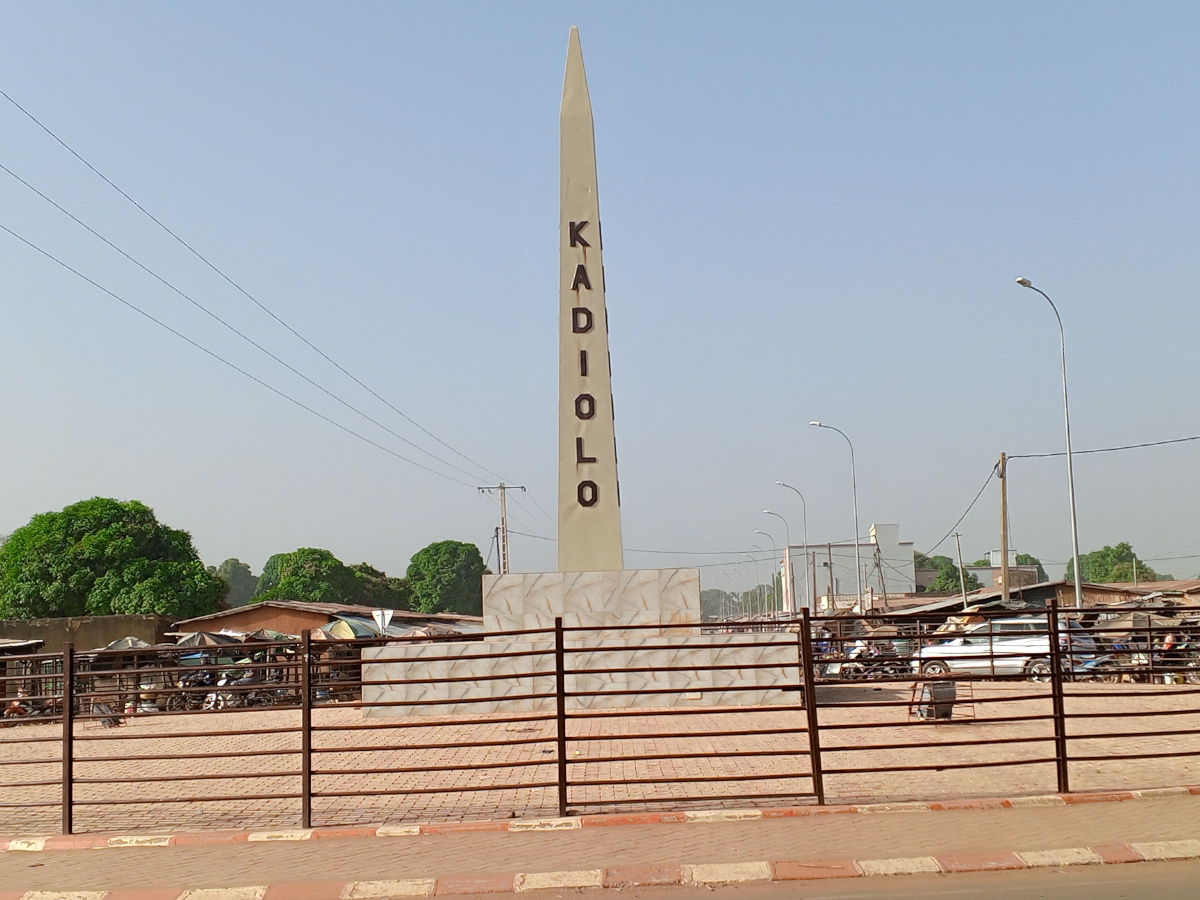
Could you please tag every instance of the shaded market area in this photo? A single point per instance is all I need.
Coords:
(261, 730)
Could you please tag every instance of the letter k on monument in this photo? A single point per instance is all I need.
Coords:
(589, 503)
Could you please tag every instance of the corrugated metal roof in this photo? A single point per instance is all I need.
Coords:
(333, 610)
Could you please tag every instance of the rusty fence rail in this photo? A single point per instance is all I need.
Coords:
(575, 720)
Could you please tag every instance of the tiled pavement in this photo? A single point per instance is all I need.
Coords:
(124, 776)
(328, 867)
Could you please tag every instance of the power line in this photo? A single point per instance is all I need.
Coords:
(226, 362)
(1182, 440)
(200, 306)
(986, 482)
(240, 289)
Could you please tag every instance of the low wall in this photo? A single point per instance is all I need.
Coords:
(85, 632)
(674, 670)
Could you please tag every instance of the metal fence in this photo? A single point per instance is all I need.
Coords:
(877, 707)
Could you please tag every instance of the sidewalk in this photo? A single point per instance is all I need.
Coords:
(753, 849)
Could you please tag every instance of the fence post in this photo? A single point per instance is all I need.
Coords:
(1057, 703)
(306, 728)
(808, 672)
(68, 738)
(560, 692)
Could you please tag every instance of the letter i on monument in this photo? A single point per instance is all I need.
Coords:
(589, 516)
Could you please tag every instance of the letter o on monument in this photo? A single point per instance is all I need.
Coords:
(588, 493)
(585, 406)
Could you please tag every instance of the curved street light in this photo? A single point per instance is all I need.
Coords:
(808, 599)
(788, 589)
(773, 550)
(854, 490)
(762, 596)
(1062, 343)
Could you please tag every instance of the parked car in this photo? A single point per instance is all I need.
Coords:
(1012, 646)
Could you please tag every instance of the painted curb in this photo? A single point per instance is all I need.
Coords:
(113, 841)
(694, 875)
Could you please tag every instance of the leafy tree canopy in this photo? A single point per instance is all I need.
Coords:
(445, 577)
(1110, 565)
(1023, 559)
(103, 557)
(308, 574)
(242, 582)
(312, 575)
(935, 563)
(716, 603)
(1026, 559)
(947, 580)
(376, 588)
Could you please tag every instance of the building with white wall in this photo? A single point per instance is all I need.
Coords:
(825, 580)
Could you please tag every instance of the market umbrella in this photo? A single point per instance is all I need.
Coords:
(127, 643)
(1137, 620)
(348, 629)
(267, 634)
(206, 639)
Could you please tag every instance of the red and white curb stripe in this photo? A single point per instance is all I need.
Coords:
(695, 875)
(101, 841)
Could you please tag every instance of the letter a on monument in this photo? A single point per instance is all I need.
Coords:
(589, 516)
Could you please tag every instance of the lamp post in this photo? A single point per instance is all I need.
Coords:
(774, 549)
(751, 577)
(789, 588)
(808, 599)
(740, 568)
(1062, 343)
(854, 491)
(762, 597)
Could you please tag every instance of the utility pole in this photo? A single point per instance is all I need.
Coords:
(879, 569)
(812, 598)
(1003, 529)
(832, 583)
(962, 575)
(503, 489)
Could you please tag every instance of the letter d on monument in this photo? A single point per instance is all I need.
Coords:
(589, 517)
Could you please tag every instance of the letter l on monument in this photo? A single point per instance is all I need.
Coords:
(589, 518)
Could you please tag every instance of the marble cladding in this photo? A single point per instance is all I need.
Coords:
(690, 669)
(674, 665)
(625, 597)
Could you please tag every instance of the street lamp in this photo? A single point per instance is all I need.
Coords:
(762, 597)
(1062, 343)
(774, 549)
(804, 521)
(854, 490)
(789, 606)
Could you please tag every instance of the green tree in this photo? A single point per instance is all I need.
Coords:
(103, 557)
(309, 574)
(935, 563)
(1023, 559)
(1110, 565)
(947, 580)
(242, 582)
(1026, 559)
(446, 577)
(375, 588)
(716, 603)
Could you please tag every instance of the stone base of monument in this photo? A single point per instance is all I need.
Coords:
(674, 663)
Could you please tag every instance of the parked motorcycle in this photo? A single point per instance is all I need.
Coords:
(191, 694)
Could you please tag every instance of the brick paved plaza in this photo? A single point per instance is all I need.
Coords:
(116, 768)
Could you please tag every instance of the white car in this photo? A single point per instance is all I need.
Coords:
(1015, 646)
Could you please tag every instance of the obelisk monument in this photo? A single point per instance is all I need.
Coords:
(589, 514)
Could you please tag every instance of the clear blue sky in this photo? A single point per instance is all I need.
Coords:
(811, 211)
